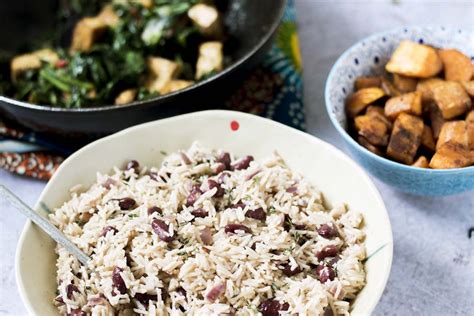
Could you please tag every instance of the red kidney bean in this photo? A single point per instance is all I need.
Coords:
(243, 163)
(325, 273)
(213, 184)
(126, 203)
(328, 311)
(292, 189)
(76, 312)
(224, 158)
(258, 214)
(219, 168)
(117, 281)
(109, 183)
(232, 228)
(253, 174)
(70, 289)
(206, 236)
(328, 251)
(193, 195)
(108, 229)
(215, 292)
(154, 209)
(133, 164)
(185, 159)
(286, 269)
(200, 213)
(59, 299)
(299, 226)
(144, 298)
(238, 204)
(272, 307)
(327, 231)
(162, 230)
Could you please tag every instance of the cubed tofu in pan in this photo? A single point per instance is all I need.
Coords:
(469, 87)
(457, 66)
(453, 132)
(451, 156)
(33, 60)
(451, 99)
(421, 162)
(126, 97)
(405, 138)
(426, 86)
(162, 71)
(176, 85)
(108, 16)
(427, 139)
(86, 32)
(207, 19)
(414, 60)
(404, 84)
(367, 82)
(359, 100)
(372, 129)
(210, 59)
(406, 103)
(470, 129)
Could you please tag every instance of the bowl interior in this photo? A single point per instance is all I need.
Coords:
(341, 180)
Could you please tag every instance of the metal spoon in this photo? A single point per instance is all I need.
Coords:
(44, 224)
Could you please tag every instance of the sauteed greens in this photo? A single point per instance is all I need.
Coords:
(127, 51)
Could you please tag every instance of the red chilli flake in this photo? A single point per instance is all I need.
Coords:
(234, 125)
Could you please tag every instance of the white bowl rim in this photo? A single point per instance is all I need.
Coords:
(227, 114)
(342, 131)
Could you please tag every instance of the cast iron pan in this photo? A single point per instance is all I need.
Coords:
(251, 23)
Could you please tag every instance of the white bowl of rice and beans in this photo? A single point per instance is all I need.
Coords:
(195, 215)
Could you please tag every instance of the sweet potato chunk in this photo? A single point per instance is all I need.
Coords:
(32, 60)
(421, 162)
(175, 85)
(126, 97)
(406, 103)
(426, 86)
(378, 112)
(452, 132)
(470, 129)
(86, 32)
(404, 84)
(373, 129)
(427, 140)
(469, 87)
(206, 18)
(436, 119)
(405, 138)
(366, 144)
(414, 60)
(457, 66)
(451, 99)
(162, 72)
(367, 82)
(389, 88)
(210, 59)
(452, 156)
(359, 100)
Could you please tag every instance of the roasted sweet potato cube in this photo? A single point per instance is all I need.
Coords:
(405, 138)
(436, 119)
(452, 156)
(406, 103)
(210, 59)
(32, 60)
(404, 84)
(175, 85)
(453, 132)
(389, 88)
(411, 59)
(86, 32)
(470, 129)
(469, 87)
(457, 66)
(378, 112)
(426, 86)
(162, 72)
(366, 144)
(427, 140)
(421, 162)
(207, 19)
(359, 100)
(451, 99)
(126, 97)
(367, 82)
(373, 129)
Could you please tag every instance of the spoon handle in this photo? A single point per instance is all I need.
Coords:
(44, 224)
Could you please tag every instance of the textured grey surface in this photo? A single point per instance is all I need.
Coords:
(433, 267)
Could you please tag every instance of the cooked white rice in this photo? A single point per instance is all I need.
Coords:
(232, 274)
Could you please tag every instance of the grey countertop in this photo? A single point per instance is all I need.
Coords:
(433, 265)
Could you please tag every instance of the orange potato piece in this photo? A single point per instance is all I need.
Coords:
(427, 140)
(367, 82)
(426, 86)
(406, 103)
(414, 60)
(452, 156)
(470, 129)
(452, 132)
(404, 84)
(457, 66)
(372, 129)
(469, 87)
(451, 99)
(405, 138)
(359, 100)
(436, 119)
(421, 162)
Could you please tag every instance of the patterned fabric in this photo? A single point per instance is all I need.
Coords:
(273, 90)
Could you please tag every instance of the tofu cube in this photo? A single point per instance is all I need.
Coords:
(207, 19)
(162, 71)
(469, 87)
(421, 162)
(175, 85)
(367, 82)
(359, 100)
(451, 156)
(372, 129)
(405, 138)
(470, 129)
(427, 139)
(108, 16)
(457, 66)
(32, 60)
(86, 32)
(426, 86)
(404, 84)
(406, 103)
(126, 97)
(452, 132)
(414, 60)
(210, 59)
(451, 99)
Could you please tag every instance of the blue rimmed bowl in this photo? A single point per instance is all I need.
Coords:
(368, 57)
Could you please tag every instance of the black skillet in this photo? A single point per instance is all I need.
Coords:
(252, 23)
